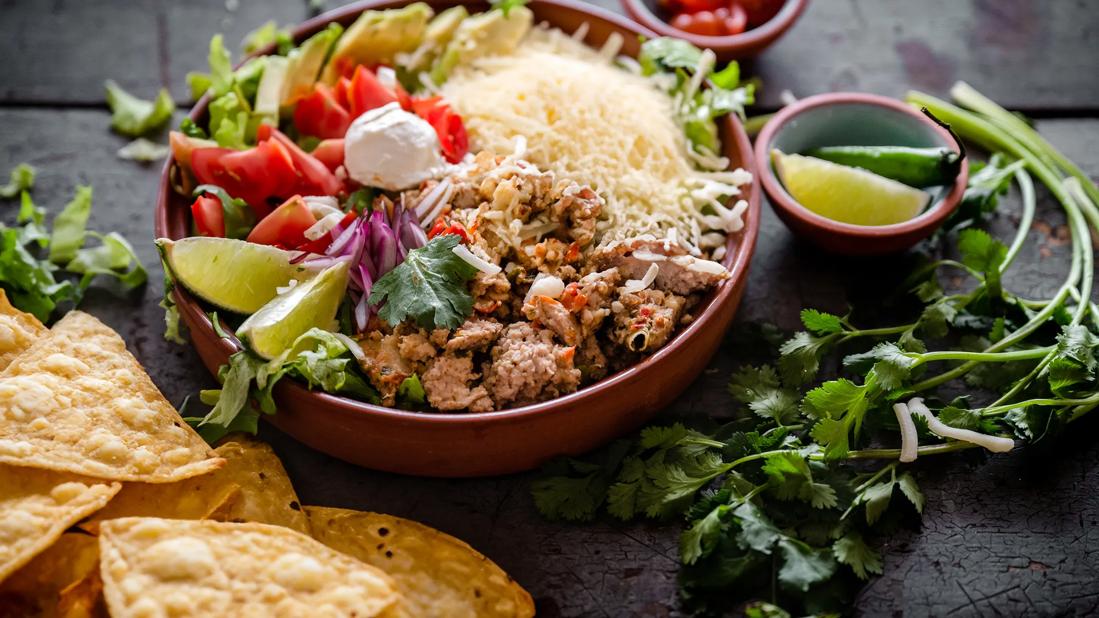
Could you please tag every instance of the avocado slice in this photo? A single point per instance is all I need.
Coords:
(378, 36)
(491, 32)
(305, 61)
(271, 84)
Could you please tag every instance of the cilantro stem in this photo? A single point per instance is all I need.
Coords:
(981, 357)
(877, 475)
(875, 332)
(1059, 403)
(1026, 188)
(894, 453)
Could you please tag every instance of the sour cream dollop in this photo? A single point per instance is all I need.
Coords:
(392, 149)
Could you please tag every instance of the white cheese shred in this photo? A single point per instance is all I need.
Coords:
(995, 444)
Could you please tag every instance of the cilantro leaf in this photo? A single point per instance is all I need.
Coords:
(852, 550)
(761, 390)
(890, 364)
(757, 532)
(907, 484)
(821, 323)
(429, 287)
(134, 117)
(985, 254)
(982, 194)
(833, 435)
(667, 54)
(69, 227)
(573, 489)
(1075, 363)
(799, 359)
(22, 179)
(876, 498)
(803, 565)
(701, 537)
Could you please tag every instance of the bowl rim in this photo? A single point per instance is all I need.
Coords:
(736, 261)
(749, 39)
(929, 219)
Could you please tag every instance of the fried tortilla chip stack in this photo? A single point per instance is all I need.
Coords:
(111, 505)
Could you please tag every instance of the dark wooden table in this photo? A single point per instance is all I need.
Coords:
(1007, 535)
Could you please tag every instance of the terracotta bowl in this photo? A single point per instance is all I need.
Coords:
(462, 445)
(731, 47)
(854, 119)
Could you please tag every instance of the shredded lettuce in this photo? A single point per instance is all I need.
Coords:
(317, 357)
(134, 117)
(22, 179)
(69, 226)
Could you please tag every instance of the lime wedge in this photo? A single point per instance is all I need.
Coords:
(847, 194)
(312, 303)
(232, 274)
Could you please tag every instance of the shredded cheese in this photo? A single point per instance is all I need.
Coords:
(589, 121)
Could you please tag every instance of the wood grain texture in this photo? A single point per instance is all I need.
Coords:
(1007, 535)
(1026, 54)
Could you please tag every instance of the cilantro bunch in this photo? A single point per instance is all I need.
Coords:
(783, 506)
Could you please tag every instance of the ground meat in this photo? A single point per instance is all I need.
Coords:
(447, 384)
(474, 335)
(553, 315)
(551, 256)
(527, 367)
(384, 365)
(645, 320)
(590, 298)
(679, 273)
(416, 349)
(491, 294)
(590, 360)
(581, 207)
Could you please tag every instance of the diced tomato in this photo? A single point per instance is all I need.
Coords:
(404, 98)
(330, 152)
(572, 299)
(573, 253)
(321, 115)
(254, 175)
(447, 124)
(704, 23)
(734, 19)
(365, 92)
(760, 11)
(285, 226)
(441, 228)
(209, 216)
(314, 178)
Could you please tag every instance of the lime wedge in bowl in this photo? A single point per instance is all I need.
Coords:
(847, 194)
(309, 304)
(232, 274)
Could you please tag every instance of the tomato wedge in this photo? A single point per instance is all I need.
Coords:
(321, 115)
(254, 175)
(285, 226)
(447, 124)
(330, 152)
(209, 216)
(313, 177)
(365, 92)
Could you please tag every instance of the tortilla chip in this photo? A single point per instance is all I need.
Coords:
(437, 574)
(18, 331)
(266, 494)
(37, 506)
(78, 401)
(185, 568)
(35, 589)
(83, 598)
(251, 486)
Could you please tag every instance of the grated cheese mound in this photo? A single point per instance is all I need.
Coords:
(592, 122)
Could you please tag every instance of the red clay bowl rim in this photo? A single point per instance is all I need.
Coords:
(929, 220)
(737, 262)
(760, 35)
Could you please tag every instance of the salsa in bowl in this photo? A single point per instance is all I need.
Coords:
(504, 304)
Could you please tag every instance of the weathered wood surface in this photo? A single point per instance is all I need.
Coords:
(1027, 54)
(1007, 535)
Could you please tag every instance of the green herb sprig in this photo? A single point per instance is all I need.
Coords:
(782, 506)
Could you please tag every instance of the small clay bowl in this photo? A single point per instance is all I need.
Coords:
(463, 445)
(730, 47)
(854, 119)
